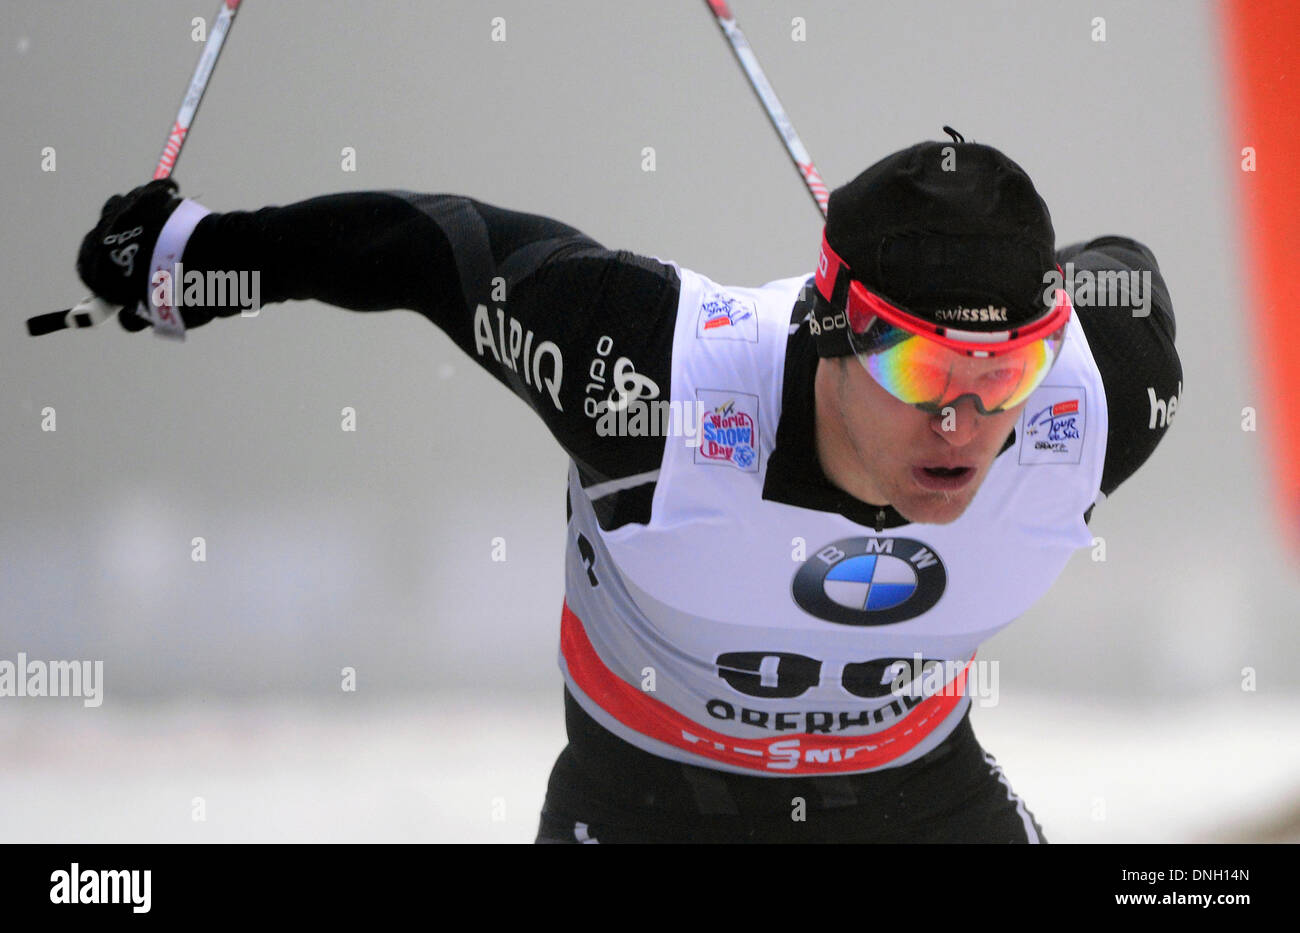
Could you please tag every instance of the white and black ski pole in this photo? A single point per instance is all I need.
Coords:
(758, 81)
(91, 311)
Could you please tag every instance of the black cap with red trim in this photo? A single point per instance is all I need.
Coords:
(952, 232)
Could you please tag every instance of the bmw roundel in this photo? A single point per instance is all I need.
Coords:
(870, 581)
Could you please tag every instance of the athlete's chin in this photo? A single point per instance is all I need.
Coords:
(935, 508)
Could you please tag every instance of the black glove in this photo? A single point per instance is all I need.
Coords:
(114, 257)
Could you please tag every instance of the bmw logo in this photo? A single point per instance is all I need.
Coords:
(870, 581)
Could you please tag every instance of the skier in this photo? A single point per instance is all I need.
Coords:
(864, 473)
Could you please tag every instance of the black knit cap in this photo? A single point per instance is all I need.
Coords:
(941, 225)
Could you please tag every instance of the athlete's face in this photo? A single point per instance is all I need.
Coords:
(885, 452)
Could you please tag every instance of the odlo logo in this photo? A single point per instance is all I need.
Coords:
(827, 323)
(870, 581)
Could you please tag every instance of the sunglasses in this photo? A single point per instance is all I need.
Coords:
(930, 366)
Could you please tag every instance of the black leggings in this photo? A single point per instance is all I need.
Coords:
(604, 790)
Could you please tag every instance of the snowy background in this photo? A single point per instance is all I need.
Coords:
(1122, 714)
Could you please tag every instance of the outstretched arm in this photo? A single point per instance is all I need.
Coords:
(563, 322)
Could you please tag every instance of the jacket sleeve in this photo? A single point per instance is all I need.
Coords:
(560, 320)
(1131, 332)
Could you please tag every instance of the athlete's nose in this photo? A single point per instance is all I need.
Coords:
(957, 422)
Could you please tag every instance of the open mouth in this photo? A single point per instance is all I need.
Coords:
(942, 479)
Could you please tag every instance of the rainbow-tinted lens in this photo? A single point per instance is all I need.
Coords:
(920, 371)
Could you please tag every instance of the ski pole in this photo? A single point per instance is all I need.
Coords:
(91, 311)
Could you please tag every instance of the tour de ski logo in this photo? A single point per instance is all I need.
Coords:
(728, 429)
(727, 317)
(1052, 426)
(870, 581)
